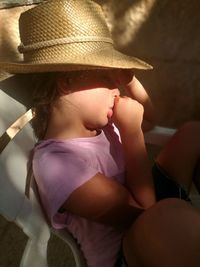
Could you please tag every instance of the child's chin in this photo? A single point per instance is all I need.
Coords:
(103, 124)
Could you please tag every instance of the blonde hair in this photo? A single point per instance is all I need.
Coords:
(44, 95)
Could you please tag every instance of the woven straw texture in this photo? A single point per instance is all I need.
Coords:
(60, 35)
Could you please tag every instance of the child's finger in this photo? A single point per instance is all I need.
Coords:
(117, 99)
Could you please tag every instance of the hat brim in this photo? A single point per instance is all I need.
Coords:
(109, 58)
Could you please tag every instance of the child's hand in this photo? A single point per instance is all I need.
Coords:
(128, 114)
(122, 76)
(129, 85)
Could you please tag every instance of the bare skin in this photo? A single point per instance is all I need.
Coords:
(184, 150)
(165, 235)
(136, 158)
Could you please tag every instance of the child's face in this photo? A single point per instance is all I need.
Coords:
(91, 95)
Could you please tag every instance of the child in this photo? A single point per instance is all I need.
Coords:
(90, 163)
(81, 158)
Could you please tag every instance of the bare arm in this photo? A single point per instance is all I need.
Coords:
(103, 200)
(128, 116)
(134, 89)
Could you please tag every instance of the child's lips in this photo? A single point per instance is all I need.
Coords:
(110, 113)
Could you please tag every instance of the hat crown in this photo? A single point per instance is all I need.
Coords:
(56, 19)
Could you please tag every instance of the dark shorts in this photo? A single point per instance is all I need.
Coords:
(121, 261)
(165, 187)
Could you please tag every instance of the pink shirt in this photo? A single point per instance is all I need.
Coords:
(61, 166)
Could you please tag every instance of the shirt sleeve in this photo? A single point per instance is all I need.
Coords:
(57, 175)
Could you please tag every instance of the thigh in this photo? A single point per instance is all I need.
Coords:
(167, 234)
(180, 156)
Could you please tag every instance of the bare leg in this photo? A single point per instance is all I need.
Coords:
(166, 235)
(180, 156)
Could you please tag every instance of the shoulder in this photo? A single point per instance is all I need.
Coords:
(54, 161)
(58, 153)
(53, 149)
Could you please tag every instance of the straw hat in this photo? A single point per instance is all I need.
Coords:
(62, 35)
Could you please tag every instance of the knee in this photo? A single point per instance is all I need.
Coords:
(158, 215)
(189, 132)
(164, 214)
(162, 231)
(190, 127)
